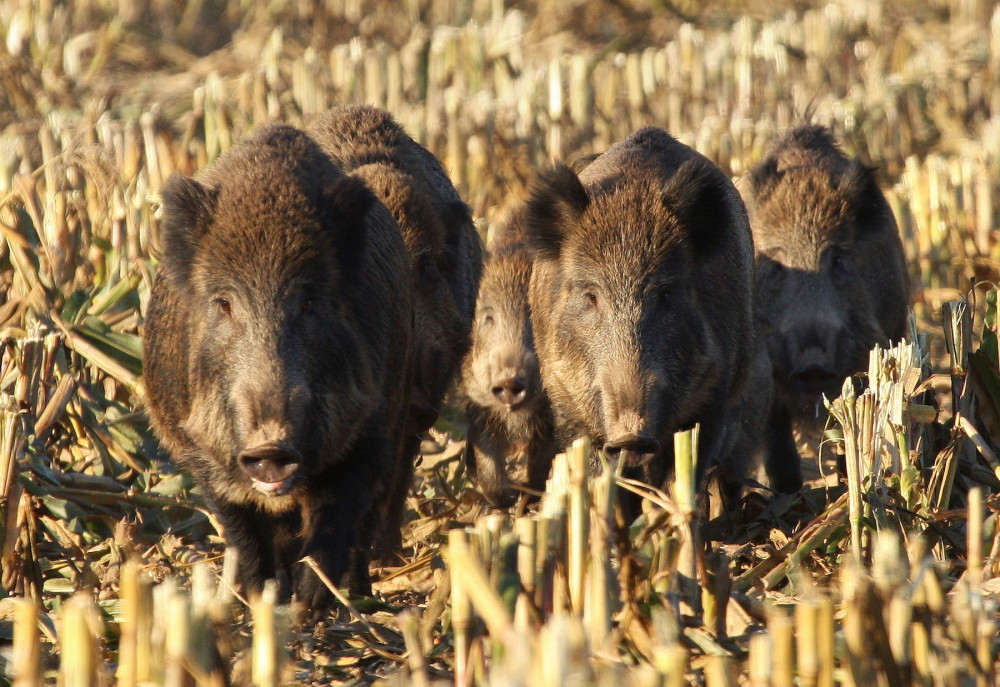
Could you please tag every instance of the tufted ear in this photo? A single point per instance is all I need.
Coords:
(555, 204)
(345, 204)
(188, 207)
(764, 178)
(698, 194)
(860, 188)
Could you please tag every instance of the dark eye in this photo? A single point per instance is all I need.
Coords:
(225, 307)
(591, 298)
(487, 322)
(307, 303)
(429, 273)
(664, 294)
(839, 262)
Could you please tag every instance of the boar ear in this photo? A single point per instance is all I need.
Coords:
(700, 197)
(859, 186)
(556, 201)
(187, 213)
(764, 178)
(345, 204)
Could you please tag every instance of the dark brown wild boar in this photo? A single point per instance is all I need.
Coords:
(831, 279)
(641, 303)
(510, 421)
(445, 254)
(278, 357)
(444, 247)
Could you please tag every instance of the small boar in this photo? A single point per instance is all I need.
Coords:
(641, 302)
(831, 279)
(278, 357)
(508, 413)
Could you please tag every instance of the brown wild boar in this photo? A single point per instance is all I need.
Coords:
(510, 421)
(445, 252)
(641, 303)
(278, 357)
(831, 279)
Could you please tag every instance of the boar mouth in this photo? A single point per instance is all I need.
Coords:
(635, 449)
(272, 467)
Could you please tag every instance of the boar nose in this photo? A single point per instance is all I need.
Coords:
(634, 448)
(511, 392)
(814, 378)
(420, 418)
(271, 462)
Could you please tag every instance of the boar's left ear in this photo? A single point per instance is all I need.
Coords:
(860, 188)
(345, 204)
(700, 196)
(187, 213)
(555, 204)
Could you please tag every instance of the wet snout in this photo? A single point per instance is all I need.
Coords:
(634, 448)
(511, 373)
(271, 466)
(813, 372)
(511, 392)
(421, 415)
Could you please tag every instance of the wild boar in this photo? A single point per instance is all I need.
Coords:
(831, 279)
(445, 250)
(510, 421)
(641, 303)
(278, 357)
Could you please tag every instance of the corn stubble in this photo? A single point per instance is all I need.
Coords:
(114, 570)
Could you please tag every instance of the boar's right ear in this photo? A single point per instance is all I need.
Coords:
(556, 201)
(764, 178)
(345, 204)
(187, 213)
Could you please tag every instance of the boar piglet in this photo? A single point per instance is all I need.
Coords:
(831, 280)
(278, 357)
(641, 303)
(445, 251)
(510, 421)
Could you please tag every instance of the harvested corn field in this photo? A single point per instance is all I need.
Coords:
(114, 566)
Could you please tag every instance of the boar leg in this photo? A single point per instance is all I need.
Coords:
(782, 462)
(252, 534)
(486, 460)
(339, 531)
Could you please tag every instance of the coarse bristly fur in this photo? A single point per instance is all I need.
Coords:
(444, 247)
(831, 279)
(641, 301)
(278, 357)
(510, 421)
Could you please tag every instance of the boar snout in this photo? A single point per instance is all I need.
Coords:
(634, 448)
(814, 378)
(512, 392)
(271, 466)
(420, 418)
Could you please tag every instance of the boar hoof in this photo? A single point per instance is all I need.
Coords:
(511, 392)
(271, 466)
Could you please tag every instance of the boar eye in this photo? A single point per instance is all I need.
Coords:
(839, 262)
(591, 298)
(224, 306)
(486, 322)
(307, 303)
(429, 274)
